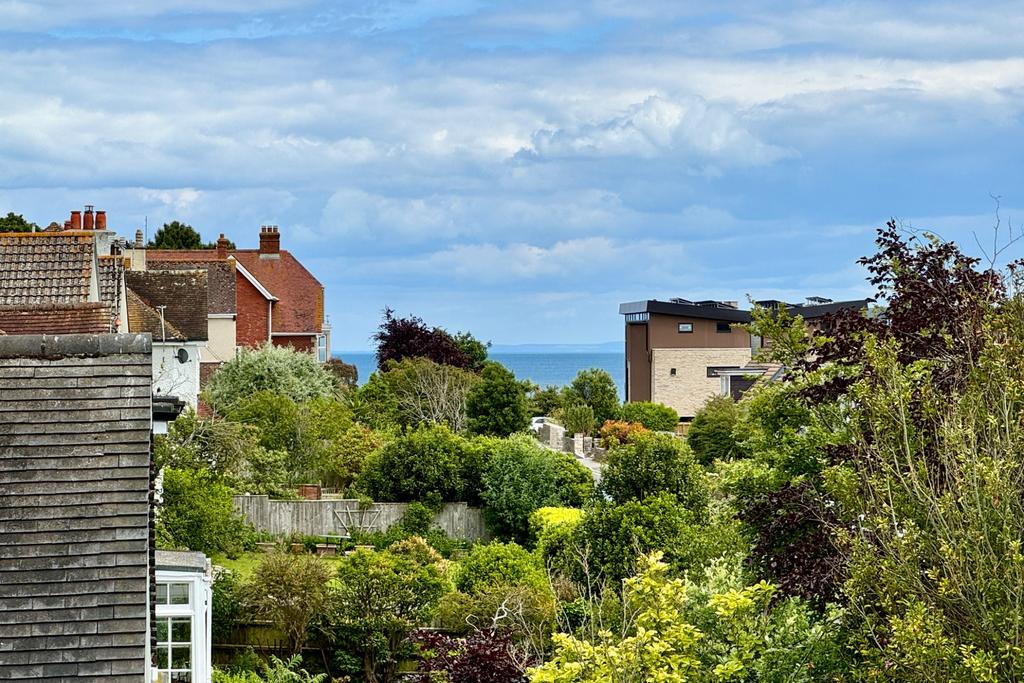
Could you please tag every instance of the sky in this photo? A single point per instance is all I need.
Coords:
(518, 169)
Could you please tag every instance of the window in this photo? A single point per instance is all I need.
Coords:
(723, 327)
(672, 372)
(713, 369)
(321, 347)
(685, 328)
(174, 631)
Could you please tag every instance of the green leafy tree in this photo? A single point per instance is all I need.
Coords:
(496, 406)
(274, 417)
(573, 480)
(381, 598)
(197, 513)
(578, 418)
(14, 222)
(291, 591)
(649, 464)
(711, 434)
(655, 416)
(473, 349)
(491, 565)
(543, 400)
(375, 405)
(429, 462)
(595, 388)
(520, 476)
(175, 235)
(295, 375)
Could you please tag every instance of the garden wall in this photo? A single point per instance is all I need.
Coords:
(338, 517)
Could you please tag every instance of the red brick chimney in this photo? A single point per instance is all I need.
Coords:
(101, 220)
(270, 242)
(76, 220)
(88, 217)
(222, 247)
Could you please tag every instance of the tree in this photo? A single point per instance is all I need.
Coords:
(426, 392)
(197, 513)
(543, 401)
(711, 432)
(381, 598)
(292, 591)
(520, 476)
(496, 406)
(295, 375)
(655, 416)
(496, 564)
(175, 235)
(400, 338)
(595, 388)
(375, 404)
(650, 464)
(578, 418)
(15, 222)
(474, 349)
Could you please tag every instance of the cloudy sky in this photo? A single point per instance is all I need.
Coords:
(520, 168)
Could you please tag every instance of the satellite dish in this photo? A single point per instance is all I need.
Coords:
(182, 356)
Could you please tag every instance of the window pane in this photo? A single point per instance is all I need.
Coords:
(181, 630)
(178, 593)
(181, 657)
(161, 630)
(161, 594)
(161, 657)
(181, 677)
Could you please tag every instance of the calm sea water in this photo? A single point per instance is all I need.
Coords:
(541, 368)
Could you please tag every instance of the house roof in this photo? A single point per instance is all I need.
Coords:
(220, 280)
(182, 293)
(45, 267)
(714, 311)
(109, 271)
(91, 317)
(299, 308)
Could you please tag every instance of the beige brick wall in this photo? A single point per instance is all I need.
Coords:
(690, 387)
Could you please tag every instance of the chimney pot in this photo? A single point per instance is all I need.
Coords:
(222, 247)
(101, 220)
(270, 241)
(138, 239)
(88, 217)
(76, 220)
(67, 225)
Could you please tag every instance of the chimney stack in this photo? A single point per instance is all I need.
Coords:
(138, 239)
(88, 217)
(222, 247)
(76, 220)
(270, 242)
(101, 220)
(67, 224)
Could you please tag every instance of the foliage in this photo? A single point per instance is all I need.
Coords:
(578, 418)
(595, 388)
(295, 375)
(226, 607)
(574, 482)
(15, 222)
(381, 598)
(426, 392)
(346, 374)
(650, 464)
(655, 416)
(543, 519)
(710, 435)
(175, 235)
(496, 406)
(197, 513)
(616, 432)
(291, 591)
(427, 462)
(276, 671)
(401, 338)
(498, 564)
(473, 349)
(482, 656)
(543, 400)
(678, 631)
(375, 404)
(552, 529)
(274, 417)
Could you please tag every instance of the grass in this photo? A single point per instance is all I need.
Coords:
(245, 564)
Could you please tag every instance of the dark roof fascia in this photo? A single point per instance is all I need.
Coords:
(655, 307)
(818, 310)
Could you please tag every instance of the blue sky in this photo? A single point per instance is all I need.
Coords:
(518, 169)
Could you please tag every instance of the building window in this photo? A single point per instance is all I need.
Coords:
(174, 631)
(685, 327)
(713, 369)
(723, 327)
(672, 372)
(321, 347)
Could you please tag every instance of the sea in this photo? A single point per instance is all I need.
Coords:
(558, 368)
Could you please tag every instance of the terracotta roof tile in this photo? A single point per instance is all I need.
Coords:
(80, 318)
(183, 293)
(300, 305)
(44, 267)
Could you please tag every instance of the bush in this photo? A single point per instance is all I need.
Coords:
(651, 464)
(226, 605)
(617, 432)
(711, 434)
(578, 418)
(574, 482)
(654, 416)
(483, 656)
(296, 375)
(375, 404)
(197, 514)
(496, 406)
(597, 389)
(498, 564)
(291, 591)
(427, 462)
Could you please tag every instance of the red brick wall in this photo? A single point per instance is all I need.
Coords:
(251, 324)
(299, 343)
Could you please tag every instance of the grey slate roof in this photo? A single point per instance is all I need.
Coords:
(182, 292)
(75, 491)
(45, 268)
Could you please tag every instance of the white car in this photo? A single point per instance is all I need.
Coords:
(537, 422)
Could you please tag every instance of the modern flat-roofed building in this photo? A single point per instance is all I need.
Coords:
(682, 352)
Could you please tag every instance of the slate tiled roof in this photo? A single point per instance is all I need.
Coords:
(84, 318)
(221, 279)
(300, 305)
(45, 267)
(75, 491)
(183, 293)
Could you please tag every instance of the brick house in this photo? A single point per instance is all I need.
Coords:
(683, 352)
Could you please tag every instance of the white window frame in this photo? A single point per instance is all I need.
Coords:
(199, 609)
